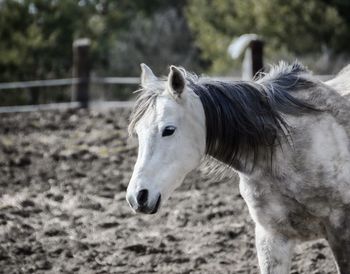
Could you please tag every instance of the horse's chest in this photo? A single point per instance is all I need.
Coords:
(275, 211)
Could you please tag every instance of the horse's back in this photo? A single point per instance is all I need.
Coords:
(341, 83)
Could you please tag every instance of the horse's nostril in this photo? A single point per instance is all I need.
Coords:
(142, 197)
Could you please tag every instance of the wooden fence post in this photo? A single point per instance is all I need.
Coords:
(252, 46)
(34, 96)
(81, 71)
(257, 48)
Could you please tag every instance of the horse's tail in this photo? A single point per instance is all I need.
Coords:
(341, 82)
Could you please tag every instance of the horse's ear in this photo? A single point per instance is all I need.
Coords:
(147, 75)
(176, 81)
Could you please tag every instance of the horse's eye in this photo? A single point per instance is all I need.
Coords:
(167, 131)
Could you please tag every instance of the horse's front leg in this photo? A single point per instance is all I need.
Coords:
(338, 236)
(274, 251)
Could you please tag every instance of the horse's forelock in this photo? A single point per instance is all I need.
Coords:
(144, 101)
(146, 98)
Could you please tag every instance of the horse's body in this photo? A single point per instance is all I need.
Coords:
(293, 160)
(311, 197)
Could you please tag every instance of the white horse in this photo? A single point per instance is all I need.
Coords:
(286, 134)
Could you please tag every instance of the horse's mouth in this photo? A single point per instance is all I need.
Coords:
(156, 207)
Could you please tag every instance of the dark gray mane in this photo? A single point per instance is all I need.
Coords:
(243, 116)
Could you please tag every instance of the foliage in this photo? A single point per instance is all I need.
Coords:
(32, 46)
(296, 26)
(158, 41)
(37, 35)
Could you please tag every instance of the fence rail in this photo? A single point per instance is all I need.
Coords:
(39, 83)
(116, 80)
(64, 106)
(69, 82)
(95, 80)
(81, 79)
(103, 81)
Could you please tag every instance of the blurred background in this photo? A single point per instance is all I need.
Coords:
(37, 37)
(64, 171)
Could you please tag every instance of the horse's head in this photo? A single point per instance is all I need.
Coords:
(169, 121)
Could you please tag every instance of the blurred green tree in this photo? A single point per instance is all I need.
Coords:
(158, 41)
(32, 46)
(37, 36)
(292, 27)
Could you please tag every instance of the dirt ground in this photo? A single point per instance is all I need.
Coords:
(63, 177)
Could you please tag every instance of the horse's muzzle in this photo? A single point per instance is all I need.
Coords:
(140, 204)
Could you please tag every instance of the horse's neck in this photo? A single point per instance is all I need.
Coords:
(262, 163)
